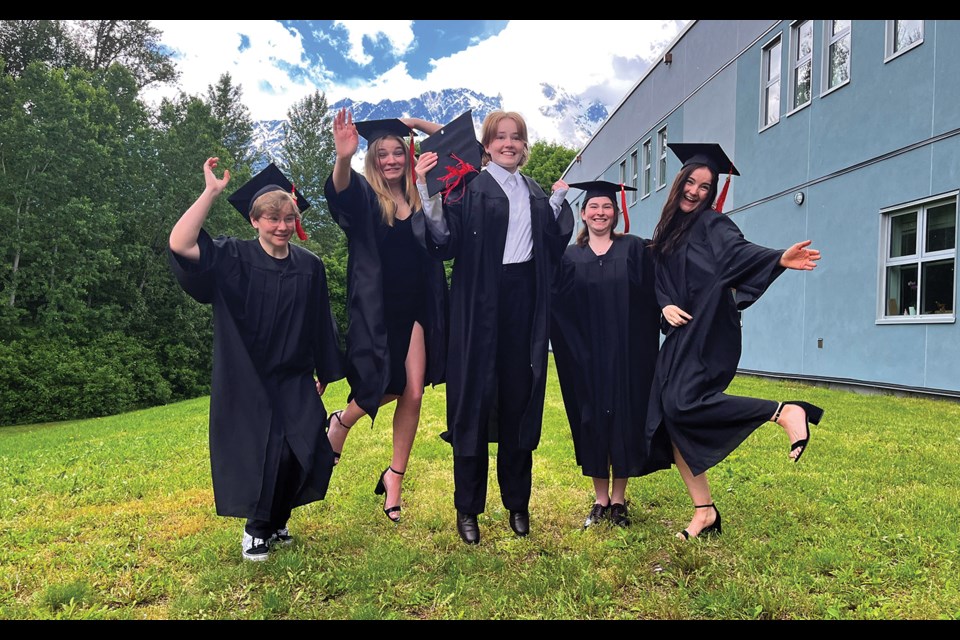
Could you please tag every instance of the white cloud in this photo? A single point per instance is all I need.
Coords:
(399, 33)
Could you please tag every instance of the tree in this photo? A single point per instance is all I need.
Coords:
(309, 155)
(26, 41)
(135, 44)
(547, 163)
(226, 104)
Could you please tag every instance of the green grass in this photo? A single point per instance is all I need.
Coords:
(113, 518)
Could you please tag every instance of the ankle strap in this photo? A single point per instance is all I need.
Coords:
(703, 506)
(399, 473)
(776, 416)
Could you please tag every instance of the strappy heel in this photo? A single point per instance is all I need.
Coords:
(713, 529)
(335, 414)
(813, 414)
(381, 489)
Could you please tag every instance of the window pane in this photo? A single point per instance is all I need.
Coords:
(772, 101)
(805, 43)
(802, 88)
(903, 235)
(938, 287)
(941, 227)
(902, 290)
(839, 61)
(839, 26)
(907, 32)
(773, 62)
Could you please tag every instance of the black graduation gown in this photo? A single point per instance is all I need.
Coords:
(478, 232)
(272, 330)
(698, 360)
(605, 339)
(357, 211)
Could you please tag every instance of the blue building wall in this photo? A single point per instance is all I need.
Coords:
(884, 139)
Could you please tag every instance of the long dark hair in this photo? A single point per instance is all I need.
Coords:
(674, 223)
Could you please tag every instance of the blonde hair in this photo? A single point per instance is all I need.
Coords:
(371, 171)
(273, 202)
(490, 125)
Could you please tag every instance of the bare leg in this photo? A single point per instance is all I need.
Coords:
(699, 490)
(341, 422)
(793, 419)
(601, 487)
(406, 418)
(619, 495)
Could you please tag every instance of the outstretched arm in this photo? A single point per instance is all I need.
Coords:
(345, 140)
(183, 236)
(799, 257)
(420, 124)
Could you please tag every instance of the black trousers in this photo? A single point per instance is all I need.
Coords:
(514, 385)
(284, 490)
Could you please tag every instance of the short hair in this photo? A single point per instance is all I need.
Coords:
(277, 201)
(490, 125)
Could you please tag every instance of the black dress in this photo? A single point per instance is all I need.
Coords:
(605, 338)
(272, 331)
(391, 282)
(698, 360)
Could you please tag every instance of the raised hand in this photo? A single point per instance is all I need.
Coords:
(214, 184)
(427, 161)
(800, 257)
(345, 137)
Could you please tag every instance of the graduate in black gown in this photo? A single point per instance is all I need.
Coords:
(396, 291)
(273, 332)
(506, 236)
(707, 272)
(605, 337)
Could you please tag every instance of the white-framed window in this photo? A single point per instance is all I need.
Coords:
(634, 168)
(902, 35)
(836, 58)
(623, 172)
(919, 261)
(662, 160)
(801, 63)
(770, 84)
(647, 165)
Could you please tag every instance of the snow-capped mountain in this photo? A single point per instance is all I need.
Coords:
(569, 118)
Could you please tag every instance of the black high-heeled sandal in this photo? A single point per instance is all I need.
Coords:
(713, 529)
(381, 489)
(336, 454)
(813, 414)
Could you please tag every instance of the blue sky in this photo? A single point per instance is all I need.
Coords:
(279, 62)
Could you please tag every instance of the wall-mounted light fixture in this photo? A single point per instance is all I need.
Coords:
(798, 197)
(667, 57)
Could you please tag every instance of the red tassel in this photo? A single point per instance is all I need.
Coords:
(300, 232)
(723, 194)
(454, 177)
(623, 207)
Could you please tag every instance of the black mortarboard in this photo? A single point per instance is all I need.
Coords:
(596, 188)
(270, 179)
(458, 154)
(708, 153)
(373, 129)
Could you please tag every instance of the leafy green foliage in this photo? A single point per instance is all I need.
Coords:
(547, 162)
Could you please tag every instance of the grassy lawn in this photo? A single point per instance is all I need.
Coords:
(113, 518)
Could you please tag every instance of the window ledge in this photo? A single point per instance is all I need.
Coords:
(800, 108)
(832, 89)
(932, 318)
(909, 47)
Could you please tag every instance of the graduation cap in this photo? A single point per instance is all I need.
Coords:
(458, 155)
(372, 130)
(709, 154)
(597, 188)
(269, 179)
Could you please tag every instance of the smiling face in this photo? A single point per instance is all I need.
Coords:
(276, 220)
(505, 139)
(696, 189)
(391, 158)
(599, 214)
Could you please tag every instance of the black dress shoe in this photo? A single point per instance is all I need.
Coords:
(520, 522)
(618, 515)
(468, 528)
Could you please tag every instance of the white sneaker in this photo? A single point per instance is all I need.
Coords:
(281, 536)
(255, 548)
